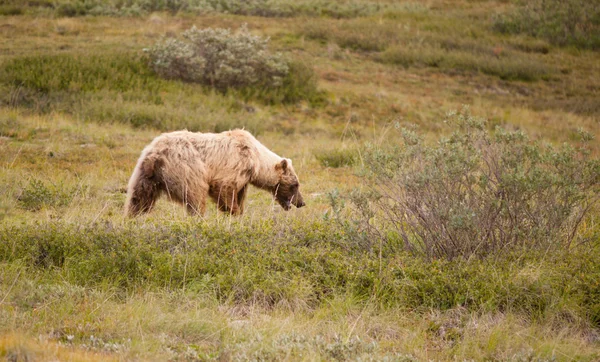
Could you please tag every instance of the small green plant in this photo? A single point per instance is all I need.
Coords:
(337, 157)
(476, 193)
(38, 194)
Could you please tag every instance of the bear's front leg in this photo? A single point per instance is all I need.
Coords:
(195, 201)
(226, 198)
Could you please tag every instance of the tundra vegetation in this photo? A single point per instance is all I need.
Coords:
(447, 151)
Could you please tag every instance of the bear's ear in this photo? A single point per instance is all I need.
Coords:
(283, 165)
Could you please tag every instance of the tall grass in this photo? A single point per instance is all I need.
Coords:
(32, 80)
(122, 88)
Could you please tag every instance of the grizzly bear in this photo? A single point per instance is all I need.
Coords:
(187, 167)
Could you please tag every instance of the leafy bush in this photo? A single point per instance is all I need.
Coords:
(224, 60)
(477, 193)
(572, 22)
(218, 58)
(302, 264)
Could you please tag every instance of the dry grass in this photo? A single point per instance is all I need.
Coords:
(86, 149)
(152, 326)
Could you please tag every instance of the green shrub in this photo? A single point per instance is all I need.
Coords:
(218, 58)
(299, 84)
(122, 88)
(224, 60)
(477, 193)
(301, 263)
(572, 22)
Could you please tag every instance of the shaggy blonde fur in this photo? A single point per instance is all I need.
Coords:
(188, 167)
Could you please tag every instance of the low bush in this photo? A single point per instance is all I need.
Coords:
(219, 58)
(572, 22)
(224, 60)
(302, 264)
(478, 193)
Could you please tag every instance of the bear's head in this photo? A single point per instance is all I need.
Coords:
(287, 190)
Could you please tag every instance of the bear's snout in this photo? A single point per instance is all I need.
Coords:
(298, 201)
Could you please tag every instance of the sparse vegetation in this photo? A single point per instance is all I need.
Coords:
(503, 66)
(456, 240)
(390, 42)
(265, 8)
(572, 22)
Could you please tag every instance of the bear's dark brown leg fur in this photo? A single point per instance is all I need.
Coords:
(226, 198)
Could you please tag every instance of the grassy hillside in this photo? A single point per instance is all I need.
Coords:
(499, 263)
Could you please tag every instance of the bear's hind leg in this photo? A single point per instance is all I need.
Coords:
(142, 196)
